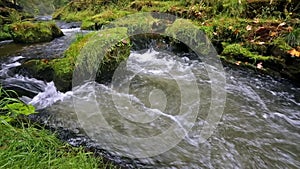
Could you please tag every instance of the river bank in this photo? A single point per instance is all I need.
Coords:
(259, 35)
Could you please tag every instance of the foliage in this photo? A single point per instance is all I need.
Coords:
(11, 108)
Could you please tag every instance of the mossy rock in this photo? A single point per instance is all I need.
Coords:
(240, 55)
(84, 52)
(4, 32)
(97, 21)
(102, 54)
(40, 69)
(191, 35)
(58, 70)
(238, 52)
(154, 6)
(28, 32)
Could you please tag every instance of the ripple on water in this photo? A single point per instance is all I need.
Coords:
(259, 127)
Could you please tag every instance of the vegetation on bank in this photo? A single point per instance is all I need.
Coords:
(23, 144)
(259, 34)
(30, 147)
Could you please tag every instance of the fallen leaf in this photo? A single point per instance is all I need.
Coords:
(282, 24)
(259, 65)
(249, 28)
(238, 63)
(289, 29)
(272, 34)
(256, 20)
(236, 32)
(260, 43)
(124, 41)
(294, 52)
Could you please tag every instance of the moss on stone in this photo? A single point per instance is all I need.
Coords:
(63, 67)
(154, 6)
(136, 24)
(85, 53)
(97, 21)
(252, 31)
(191, 35)
(239, 52)
(28, 32)
(103, 53)
(4, 32)
(39, 68)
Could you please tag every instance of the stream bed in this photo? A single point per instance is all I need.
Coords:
(259, 127)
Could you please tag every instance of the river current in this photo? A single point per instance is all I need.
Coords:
(259, 127)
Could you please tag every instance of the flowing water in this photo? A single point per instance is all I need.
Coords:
(259, 127)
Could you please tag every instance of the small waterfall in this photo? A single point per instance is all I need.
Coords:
(49, 96)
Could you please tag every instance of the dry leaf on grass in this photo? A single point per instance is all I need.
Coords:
(294, 52)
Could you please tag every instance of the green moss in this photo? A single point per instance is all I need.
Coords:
(236, 50)
(4, 32)
(154, 6)
(105, 17)
(63, 67)
(88, 25)
(237, 53)
(281, 44)
(85, 53)
(136, 24)
(190, 34)
(28, 32)
(73, 11)
(104, 52)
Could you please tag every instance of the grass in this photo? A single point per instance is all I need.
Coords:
(28, 147)
(24, 145)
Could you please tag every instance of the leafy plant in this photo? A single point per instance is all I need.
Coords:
(11, 108)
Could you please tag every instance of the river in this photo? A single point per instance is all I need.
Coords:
(259, 127)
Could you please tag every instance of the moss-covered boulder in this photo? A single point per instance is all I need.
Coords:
(10, 13)
(241, 55)
(28, 32)
(102, 54)
(61, 70)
